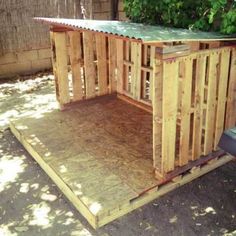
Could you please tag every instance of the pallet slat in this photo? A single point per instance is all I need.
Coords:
(61, 68)
(112, 64)
(169, 107)
(136, 70)
(120, 65)
(185, 111)
(75, 59)
(221, 97)
(211, 103)
(152, 56)
(101, 64)
(144, 73)
(89, 66)
(126, 74)
(157, 113)
(231, 100)
(198, 104)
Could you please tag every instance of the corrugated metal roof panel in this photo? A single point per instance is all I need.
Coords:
(146, 33)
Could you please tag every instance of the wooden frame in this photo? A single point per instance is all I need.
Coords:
(189, 89)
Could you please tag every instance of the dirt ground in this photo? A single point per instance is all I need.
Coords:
(31, 204)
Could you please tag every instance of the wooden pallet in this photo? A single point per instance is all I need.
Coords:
(189, 88)
(101, 162)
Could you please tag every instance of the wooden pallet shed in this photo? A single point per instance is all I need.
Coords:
(185, 81)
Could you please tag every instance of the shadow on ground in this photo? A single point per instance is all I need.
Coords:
(31, 204)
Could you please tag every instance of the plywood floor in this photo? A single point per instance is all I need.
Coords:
(102, 149)
(99, 153)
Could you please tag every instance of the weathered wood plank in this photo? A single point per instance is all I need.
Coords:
(89, 66)
(127, 58)
(185, 111)
(144, 73)
(169, 107)
(231, 100)
(53, 59)
(75, 59)
(62, 82)
(136, 70)
(101, 63)
(152, 57)
(112, 65)
(120, 65)
(133, 49)
(211, 103)
(198, 106)
(157, 113)
(222, 93)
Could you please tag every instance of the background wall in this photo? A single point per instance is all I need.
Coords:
(24, 43)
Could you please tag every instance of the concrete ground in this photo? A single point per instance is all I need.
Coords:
(31, 204)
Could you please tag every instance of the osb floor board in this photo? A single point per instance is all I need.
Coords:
(99, 153)
(99, 149)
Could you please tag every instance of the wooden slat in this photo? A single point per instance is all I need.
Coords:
(61, 68)
(101, 64)
(222, 93)
(152, 56)
(89, 66)
(185, 111)
(169, 106)
(211, 103)
(144, 73)
(136, 70)
(198, 105)
(112, 65)
(53, 59)
(75, 59)
(120, 65)
(194, 46)
(231, 101)
(157, 113)
(126, 74)
(132, 79)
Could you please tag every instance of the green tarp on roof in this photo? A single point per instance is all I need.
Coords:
(146, 33)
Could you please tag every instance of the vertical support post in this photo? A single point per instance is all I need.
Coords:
(211, 103)
(89, 65)
(222, 93)
(152, 56)
(127, 68)
(231, 100)
(136, 70)
(169, 113)
(75, 59)
(102, 63)
(144, 73)
(120, 65)
(60, 67)
(198, 104)
(157, 113)
(112, 65)
(187, 77)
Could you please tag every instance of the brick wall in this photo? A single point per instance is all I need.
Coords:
(25, 62)
(31, 61)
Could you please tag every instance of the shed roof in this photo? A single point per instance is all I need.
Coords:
(145, 33)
